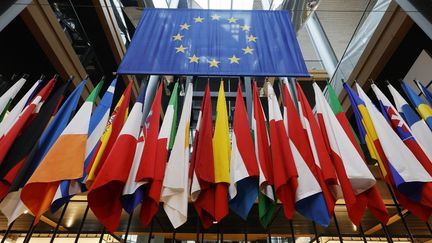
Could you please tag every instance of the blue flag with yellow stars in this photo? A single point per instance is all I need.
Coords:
(214, 42)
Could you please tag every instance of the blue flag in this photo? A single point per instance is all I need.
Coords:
(214, 42)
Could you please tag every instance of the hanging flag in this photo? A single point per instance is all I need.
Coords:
(202, 172)
(21, 121)
(425, 92)
(112, 130)
(64, 161)
(105, 193)
(8, 96)
(418, 126)
(266, 196)
(381, 141)
(221, 155)
(244, 170)
(155, 154)
(69, 188)
(313, 199)
(15, 113)
(356, 180)
(175, 191)
(23, 144)
(424, 110)
(12, 206)
(336, 106)
(284, 169)
(402, 129)
(200, 42)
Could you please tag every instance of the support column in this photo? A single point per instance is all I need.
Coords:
(42, 22)
(321, 44)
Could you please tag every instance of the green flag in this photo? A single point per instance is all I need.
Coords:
(172, 106)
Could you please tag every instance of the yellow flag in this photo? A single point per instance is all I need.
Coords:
(221, 140)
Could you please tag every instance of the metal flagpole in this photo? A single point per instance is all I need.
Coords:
(362, 233)
(197, 229)
(128, 226)
(82, 224)
(389, 239)
(30, 231)
(315, 231)
(102, 235)
(59, 222)
(337, 227)
(400, 213)
(429, 227)
(246, 232)
(269, 236)
(7, 232)
(174, 236)
(291, 225)
(151, 231)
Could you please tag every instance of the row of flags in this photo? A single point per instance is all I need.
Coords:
(52, 150)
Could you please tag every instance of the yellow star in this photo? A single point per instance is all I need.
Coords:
(214, 63)
(247, 50)
(198, 19)
(181, 48)
(178, 37)
(234, 59)
(184, 26)
(193, 59)
(215, 17)
(245, 27)
(252, 38)
(232, 20)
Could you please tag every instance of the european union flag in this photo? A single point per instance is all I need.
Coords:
(214, 42)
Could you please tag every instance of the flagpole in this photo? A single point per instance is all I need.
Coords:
(400, 213)
(246, 232)
(389, 239)
(291, 225)
(128, 226)
(30, 231)
(362, 233)
(102, 235)
(59, 222)
(7, 232)
(197, 229)
(151, 231)
(174, 236)
(82, 224)
(337, 227)
(269, 235)
(315, 231)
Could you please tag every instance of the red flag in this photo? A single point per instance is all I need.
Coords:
(202, 164)
(284, 169)
(298, 136)
(153, 163)
(104, 195)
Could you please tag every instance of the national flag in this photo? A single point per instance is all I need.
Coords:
(221, 155)
(8, 96)
(425, 92)
(284, 168)
(22, 119)
(12, 206)
(266, 196)
(356, 181)
(68, 188)
(64, 161)
(15, 113)
(104, 197)
(244, 170)
(175, 191)
(202, 172)
(398, 165)
(109, 136)
(418, 126)
(313, 199)
(23, 144)
(336, 106)
(423, 109)
(155, 154)
(402, 129)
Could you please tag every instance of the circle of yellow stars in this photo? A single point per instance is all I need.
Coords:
(214, 63)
